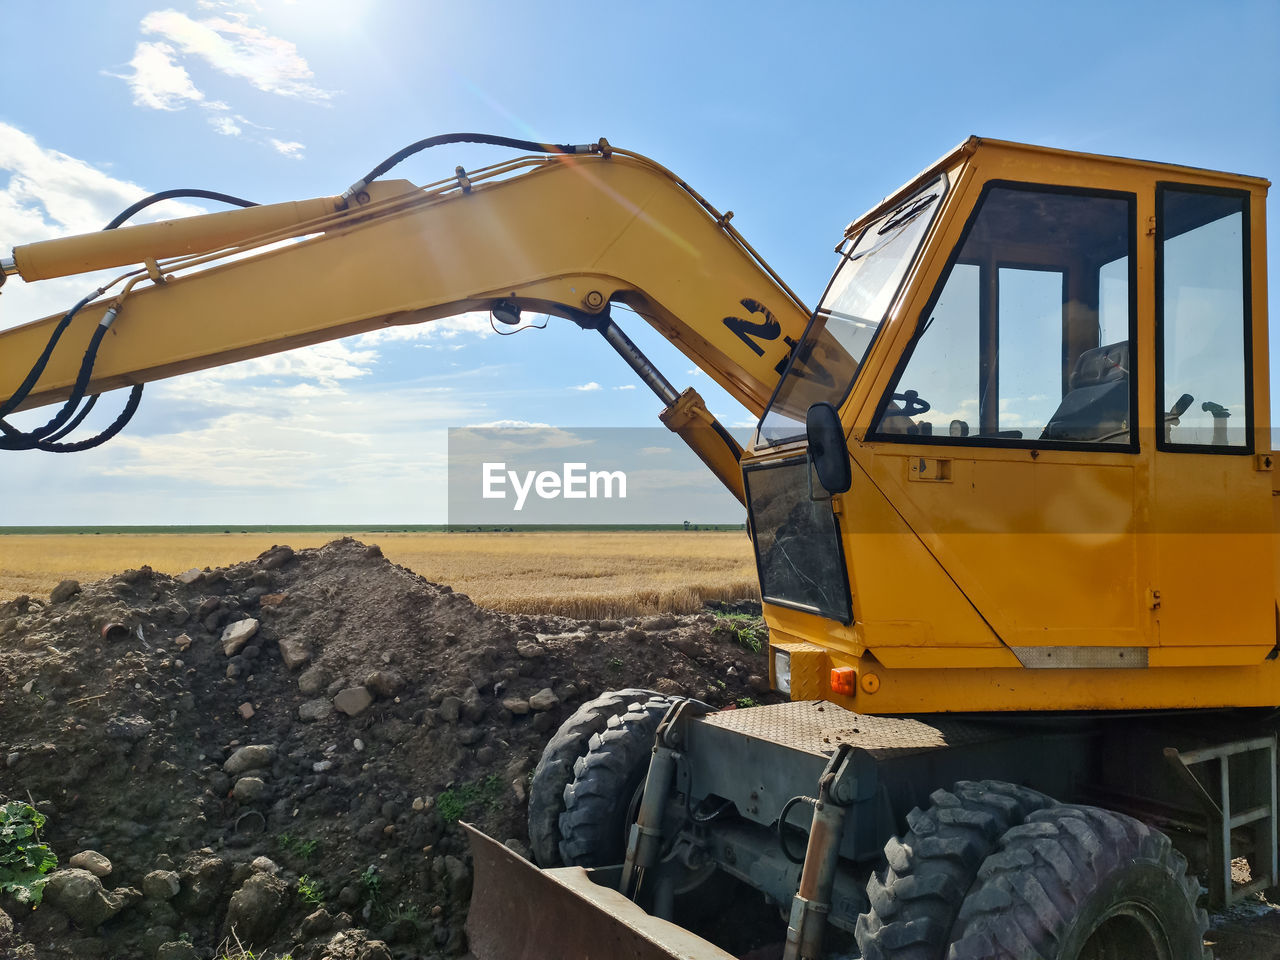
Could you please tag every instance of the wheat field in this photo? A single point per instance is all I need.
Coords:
(578, 574)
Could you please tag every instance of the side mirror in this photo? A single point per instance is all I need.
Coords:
(828, 451)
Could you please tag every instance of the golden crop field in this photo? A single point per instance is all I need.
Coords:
(580, 574)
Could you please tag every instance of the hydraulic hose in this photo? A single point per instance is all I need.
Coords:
(530, 146)
(48, 436)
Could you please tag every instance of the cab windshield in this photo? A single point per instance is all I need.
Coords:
(867, 279)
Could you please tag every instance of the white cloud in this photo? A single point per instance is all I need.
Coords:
(588, 387)
(509, 425)
(448, 328)
(226, 126)
(289, 148)
(628, 386)
(234, 47)
(157, 80)
(655, 451)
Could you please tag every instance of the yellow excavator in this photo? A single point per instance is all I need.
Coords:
(1012, 500)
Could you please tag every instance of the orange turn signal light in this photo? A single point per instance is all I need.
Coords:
(844, 680)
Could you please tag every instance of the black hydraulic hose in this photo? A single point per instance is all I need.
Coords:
(531, 146)
(42, 361)
(128, 212)
(47, 437)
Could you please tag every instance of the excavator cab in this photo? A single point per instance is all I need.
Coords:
(1043, 362)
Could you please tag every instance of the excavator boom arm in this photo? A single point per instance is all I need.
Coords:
(564, 235)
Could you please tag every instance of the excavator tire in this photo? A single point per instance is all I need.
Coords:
(915, 896)
(554, 771)
(597, 804)
(1081, 883)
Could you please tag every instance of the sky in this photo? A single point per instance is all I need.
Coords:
(798, 117)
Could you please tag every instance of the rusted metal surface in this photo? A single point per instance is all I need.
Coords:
(519, 912)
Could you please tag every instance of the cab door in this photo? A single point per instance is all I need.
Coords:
(1007, 438)
(1211, 496)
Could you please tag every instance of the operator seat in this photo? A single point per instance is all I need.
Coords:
(1096, 407)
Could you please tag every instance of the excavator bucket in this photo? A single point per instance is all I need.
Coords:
(519, 912)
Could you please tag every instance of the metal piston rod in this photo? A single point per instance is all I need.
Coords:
(812, 902)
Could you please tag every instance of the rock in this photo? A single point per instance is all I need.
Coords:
(203, 879)
(92, 861)
(245, 710)
(660, 622)
(353, 700)
(516, 706)
(249, 790)
(276, 557)
(208, 606)
(374, 950)
(264, 865)
(191, 576)
(161, 884)
(670, 687)
(544, 699)
(294, 653)
(450, 708)
(758, 682)
(6, 929)
(127, 728)
(470, 736)
(256, 908)
(531, 651)
(177, 950)
(80, 895)
(64, 591)
(312, 681)
(312, 710)
(272, 599)
(348, 897)
(608, 626)
(182, 641)
(314, 924)
(385, 683)
(253, 757)
(237, 634)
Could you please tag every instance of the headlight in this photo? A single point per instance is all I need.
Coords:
(782, 671)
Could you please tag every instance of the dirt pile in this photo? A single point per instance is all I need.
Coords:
(284, 746)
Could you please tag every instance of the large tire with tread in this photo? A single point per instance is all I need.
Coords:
(554, 771)
(915, 897)
(1082, 883)
(593, 827)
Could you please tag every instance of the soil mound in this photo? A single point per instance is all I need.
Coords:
(275, 754)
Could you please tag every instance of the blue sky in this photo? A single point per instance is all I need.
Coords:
(796, 116)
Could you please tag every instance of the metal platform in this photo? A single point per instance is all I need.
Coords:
(818, 727)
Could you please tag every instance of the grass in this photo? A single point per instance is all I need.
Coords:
(454, 804)
(310, 892)
(581, 574)
(750, 631)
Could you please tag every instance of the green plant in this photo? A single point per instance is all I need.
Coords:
(750, 632)
(615, 664)
(455, 803)
(24, 860)
(285, 842)
(310, 891)
(746, 702)
(307, 848)
(372, 884)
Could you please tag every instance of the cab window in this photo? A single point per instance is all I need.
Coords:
(1203, 319)
(1027, 337)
